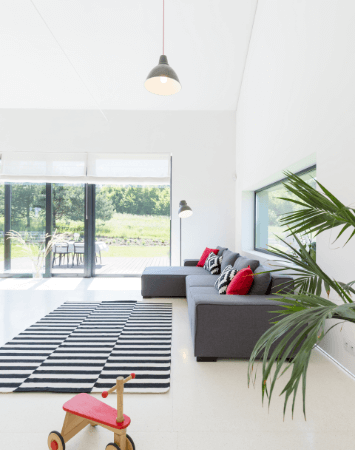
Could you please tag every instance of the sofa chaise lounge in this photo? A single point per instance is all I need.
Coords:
(222, 326)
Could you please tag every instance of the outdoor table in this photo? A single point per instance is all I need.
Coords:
(99, 247)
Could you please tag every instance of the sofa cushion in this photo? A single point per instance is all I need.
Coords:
(221, 250)
(168, 281)
(201, 280)
(229, 259)
(205, 254)
(213, 264)
(261, 282)
(175, 270)
(242, 263)
(225, 278)
(241, 283)
(208, 295)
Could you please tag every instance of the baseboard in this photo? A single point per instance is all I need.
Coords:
(344, 369)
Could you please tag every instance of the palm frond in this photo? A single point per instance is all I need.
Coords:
(321, 210)
(293, 337)
(309, 277)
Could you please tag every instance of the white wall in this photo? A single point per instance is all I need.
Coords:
(202, 146)
(297, 104)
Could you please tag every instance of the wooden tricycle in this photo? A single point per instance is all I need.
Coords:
(84, 409)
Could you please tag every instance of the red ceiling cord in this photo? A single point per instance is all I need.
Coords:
(163, 25)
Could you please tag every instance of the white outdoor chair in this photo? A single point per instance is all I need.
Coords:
(78, 253)
(61, 250)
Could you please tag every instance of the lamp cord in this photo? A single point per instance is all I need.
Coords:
(163, 23)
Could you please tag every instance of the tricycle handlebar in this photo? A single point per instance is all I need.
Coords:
(105, 393)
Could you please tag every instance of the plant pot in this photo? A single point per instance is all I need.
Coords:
(37, 273)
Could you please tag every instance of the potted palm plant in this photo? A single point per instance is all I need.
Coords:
(36, 251)
(301, 318)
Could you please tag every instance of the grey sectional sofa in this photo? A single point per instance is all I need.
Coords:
(222, 326)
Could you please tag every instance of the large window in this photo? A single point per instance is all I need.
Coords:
(269, 208)
(68, 220)
(111, 210)
(132, 228)
(28, 217)
(105, 230)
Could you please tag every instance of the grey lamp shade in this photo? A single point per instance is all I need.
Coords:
(162, 80)
(184, 210)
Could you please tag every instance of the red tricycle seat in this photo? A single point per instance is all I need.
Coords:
(88, 407)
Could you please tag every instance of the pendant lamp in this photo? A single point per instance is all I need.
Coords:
(162, 80)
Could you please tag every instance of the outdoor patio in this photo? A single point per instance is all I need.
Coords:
(109, 265)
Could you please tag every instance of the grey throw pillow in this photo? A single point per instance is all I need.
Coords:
(261, 281)
(229, 259)
(242, 263)
(221, 250)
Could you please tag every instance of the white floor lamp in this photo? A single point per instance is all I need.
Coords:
(184, 212)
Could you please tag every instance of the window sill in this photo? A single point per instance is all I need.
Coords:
(266, 257)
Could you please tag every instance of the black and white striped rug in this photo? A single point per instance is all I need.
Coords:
(84, 347)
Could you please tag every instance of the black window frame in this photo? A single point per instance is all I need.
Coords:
(89, 242)
(279, 182)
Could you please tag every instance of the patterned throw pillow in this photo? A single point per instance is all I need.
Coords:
(223, 281)
(213, 264)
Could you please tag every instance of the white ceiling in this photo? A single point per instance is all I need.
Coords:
(113, 44)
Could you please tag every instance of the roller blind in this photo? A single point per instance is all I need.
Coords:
(96, 168)
(129, 168)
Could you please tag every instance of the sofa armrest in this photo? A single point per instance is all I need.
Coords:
(191, 262)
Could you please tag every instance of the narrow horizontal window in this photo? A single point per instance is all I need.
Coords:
(269, 208)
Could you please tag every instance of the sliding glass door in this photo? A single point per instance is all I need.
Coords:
(132, 228)
(105, 229)
(68, 221)
(22, 210)
(2, 227)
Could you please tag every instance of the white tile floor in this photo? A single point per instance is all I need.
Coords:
(208, 406)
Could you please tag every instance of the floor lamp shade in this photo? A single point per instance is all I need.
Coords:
(162, 80)
(184, 212)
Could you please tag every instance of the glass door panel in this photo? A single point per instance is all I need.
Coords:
(68, 221)
(2, 226)
(132, 228)
(28, 218)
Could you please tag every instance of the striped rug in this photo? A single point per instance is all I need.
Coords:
(84, 347)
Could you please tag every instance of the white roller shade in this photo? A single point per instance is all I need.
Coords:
(36, 167)
(96, 168)
(129, 168)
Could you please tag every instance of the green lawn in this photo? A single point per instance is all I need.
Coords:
(121, 226)
(131, 226)
(133, 251)
(16, 252)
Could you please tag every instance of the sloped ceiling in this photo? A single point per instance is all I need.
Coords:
(113, 44)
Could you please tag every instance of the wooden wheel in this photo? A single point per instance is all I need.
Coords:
(129, 443)
(56, 441)
(112, 446)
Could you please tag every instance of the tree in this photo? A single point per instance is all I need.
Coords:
(69, 203)
(104, 209)
(141, 200)
(24, 198)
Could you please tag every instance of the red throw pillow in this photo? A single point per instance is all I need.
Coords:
(206, 252)
(241, 283)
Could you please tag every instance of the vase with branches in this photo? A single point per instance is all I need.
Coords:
(35, 251)
(301, 318)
